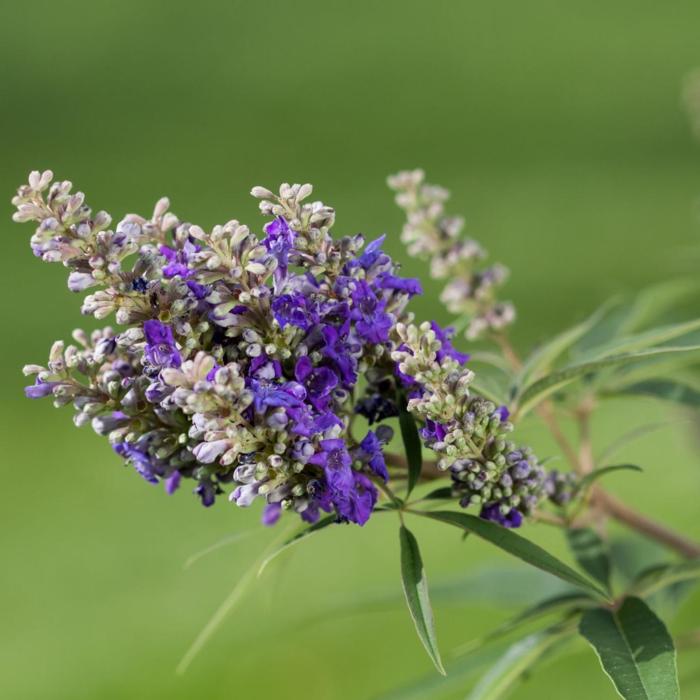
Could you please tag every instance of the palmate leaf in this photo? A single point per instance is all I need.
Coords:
(516, 545)
(415, 586)
(591, 553)
(542, 388)
(635, 650)
(519, 658)
(412, 446)
(596, 474)
(661, 576)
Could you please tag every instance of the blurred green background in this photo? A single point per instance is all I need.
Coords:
(558, 127)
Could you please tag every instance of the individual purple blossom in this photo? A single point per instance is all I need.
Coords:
(141, 460)
(358, 506)
(172, 483)
(40, 389)
(512, 519)
(318, 381)
(271, 513)
(161, 350)
(372, 322)
(178, 259)
(370, 451)
(280, 242)
(293, 309)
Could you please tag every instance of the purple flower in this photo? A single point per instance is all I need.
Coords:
(39, 389)
(178, 259)
(318, 381)
(339, 352)
(503, 413)
(447, 349)
(336, 463)
(161, 350)
(141, 460)
(370, 452)
(372, 322)
(376, 408)
(266, 395)
(207, 490)
(372, 253)
(293, 310)
(403, 285)
(433, 432)
(271, 513)
(172, 482)
(492, 512)
(358, 506)
(280, 242)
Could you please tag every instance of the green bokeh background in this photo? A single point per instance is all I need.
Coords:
(558, 127)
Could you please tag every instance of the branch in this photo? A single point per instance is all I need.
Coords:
(621, 512)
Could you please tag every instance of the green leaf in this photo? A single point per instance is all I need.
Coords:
(641, 341)
(295, 539)
(517, 660)
(539, 390)
(591, 553)
(516, 545)
(415, 588)
(228, 604)
(412, 446)
(568, 603)
(444, 492)
(654, 302)
(587, 480)
(657, 577)
(542, 359)
(664, 389)
(434, 686)
(635, 650)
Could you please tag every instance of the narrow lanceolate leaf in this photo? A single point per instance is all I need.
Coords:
(591, 553)
(295, 539)
(567, 604)
(587, 480)
(543, 358)
(657, 577)
(641, 341)
(662, 389)
(412, 446)
(229, 603)
(519, 658)
(635, 650)
(653, 302)
(542, 388)
(415, 587)
(516, 545)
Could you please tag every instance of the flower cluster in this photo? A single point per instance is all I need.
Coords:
(238, 357)
(432, 235)
(469, 433)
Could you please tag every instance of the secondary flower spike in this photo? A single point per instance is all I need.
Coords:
(237, 359)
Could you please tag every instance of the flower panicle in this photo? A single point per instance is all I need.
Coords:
(235, 359)
(432, 235)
